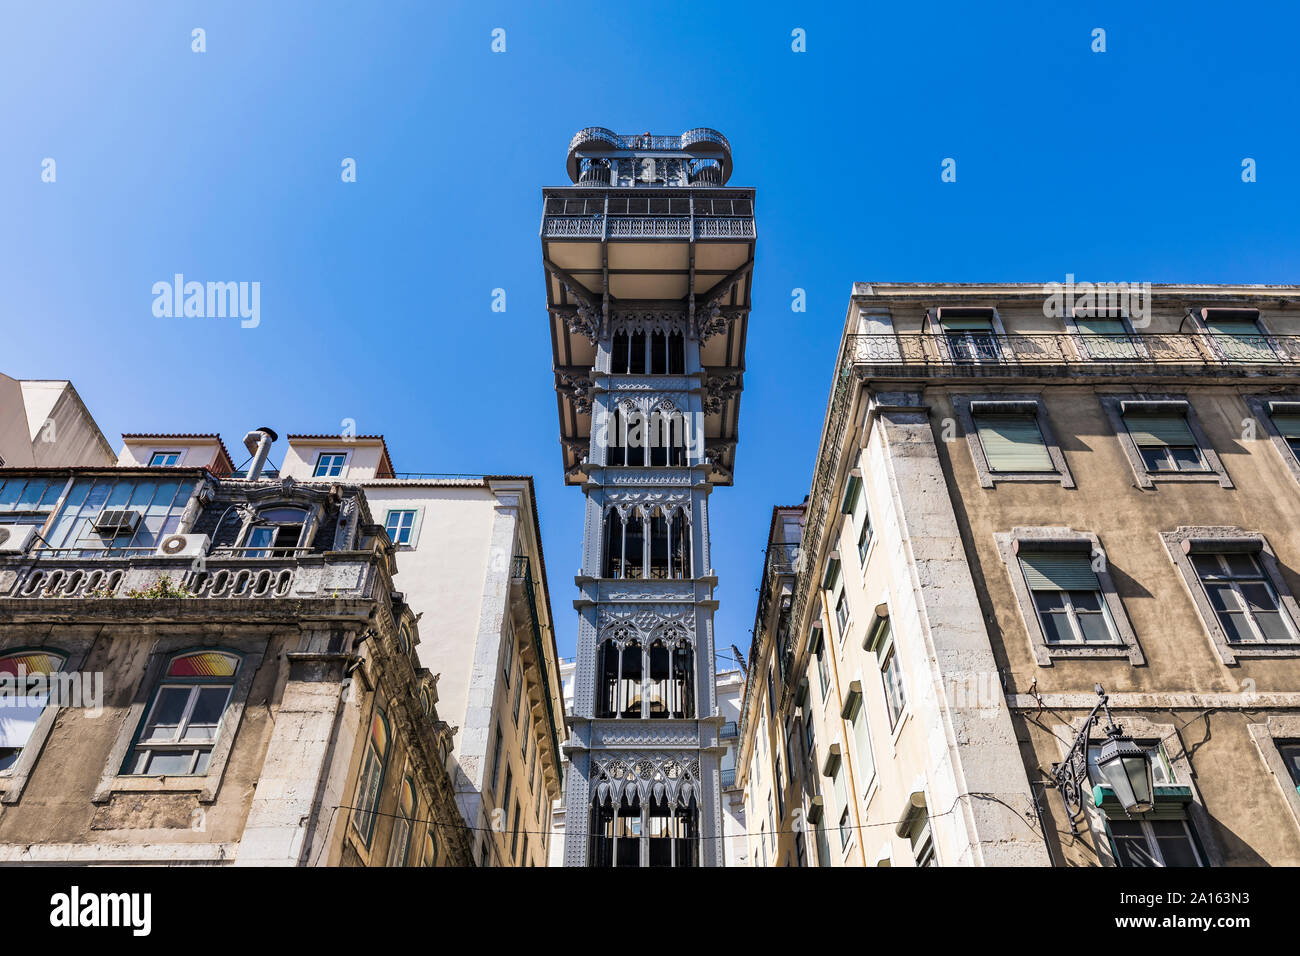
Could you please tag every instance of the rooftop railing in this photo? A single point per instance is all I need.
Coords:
(1116, 354)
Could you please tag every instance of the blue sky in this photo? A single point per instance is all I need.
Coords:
(376, 295)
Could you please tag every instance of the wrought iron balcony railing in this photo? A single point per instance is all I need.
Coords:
(781, 559)
(1113, 354)
(647, 227)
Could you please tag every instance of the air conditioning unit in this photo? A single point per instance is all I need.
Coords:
(112, 522)
(183, 545)
(16, 538)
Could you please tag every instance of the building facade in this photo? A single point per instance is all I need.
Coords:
(211, 671)
(1024, 493)
(647, 258)
(45, 424)
(471, 564)
(735, 842)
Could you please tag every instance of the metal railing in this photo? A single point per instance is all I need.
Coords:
(1118, 351)
(657, 226)
(433, 475)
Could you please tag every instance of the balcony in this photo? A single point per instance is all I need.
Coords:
(781, 559)
(81, 574)
(647, 227)
(984, 354)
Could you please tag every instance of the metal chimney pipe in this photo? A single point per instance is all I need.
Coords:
(259, 442)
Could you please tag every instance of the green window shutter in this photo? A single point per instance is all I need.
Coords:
(1159, 429)
(1108, 339)
(851, 493)
(1046, 571)
(1101, 326)
(1240, 339)
(832, 574)
(1013, 443)
(1288, 426)
(967, 325)
(1233, 327)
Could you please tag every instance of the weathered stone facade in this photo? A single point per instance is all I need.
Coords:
(238, 647)
(975, 436)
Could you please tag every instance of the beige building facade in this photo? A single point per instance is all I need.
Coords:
(1024, 492)
(44, 423)
(471, 563)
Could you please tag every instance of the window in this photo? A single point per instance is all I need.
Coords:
(1067, 598)
(881, 643)
(276, 533)
(823, 670)
(1243, 599)
(923, 847)
(515, 708)
(109, 515)
(19, 714)
(856, 714)
(669, 543)
(779, 786)
(400, 844)
(846, 829)
(401, 526)
(430, 855)
(864, 541)
(968, 337)
(1011, 439)
(842, 614)
(1012, 442)
(181, 723)
(1165, 441)
(29, 500)
(1162, 774)
(852, 494)
(1237, 335)
(329, 464)
(1154, 843)
(1290, 752)
(506, 793)
(1162, 438)
(508, 654)
(1288, 426)
(496, 756)
(372, 777)
(624, 544)
(164, 459)
(1107, 339)
(514, 833)
(648, 353)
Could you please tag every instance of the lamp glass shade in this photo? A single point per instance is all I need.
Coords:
(1127, 769)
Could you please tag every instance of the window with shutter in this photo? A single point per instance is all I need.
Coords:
(1107, 339)
(1288, 426)
(1013, 443)
(1165, 441)
(970, 339)
(1241, 340)
(1067, 598)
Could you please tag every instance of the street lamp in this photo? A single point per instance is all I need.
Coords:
(1124, 765)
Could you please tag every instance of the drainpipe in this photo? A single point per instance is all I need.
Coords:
(258, 442)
